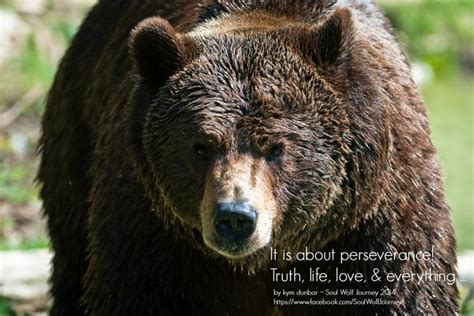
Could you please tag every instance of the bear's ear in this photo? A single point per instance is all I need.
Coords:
(156, 50)
(326, 43)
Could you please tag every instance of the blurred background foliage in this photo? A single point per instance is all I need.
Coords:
(33, 36)
(437, 35)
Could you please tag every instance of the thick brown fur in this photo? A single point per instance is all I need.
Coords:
(327, 84)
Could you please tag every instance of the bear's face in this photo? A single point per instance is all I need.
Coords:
(243, 138)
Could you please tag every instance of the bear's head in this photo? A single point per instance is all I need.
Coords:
(241, 130)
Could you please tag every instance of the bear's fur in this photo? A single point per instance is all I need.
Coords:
(306, 109)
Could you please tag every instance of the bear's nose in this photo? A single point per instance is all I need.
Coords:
(234, 222)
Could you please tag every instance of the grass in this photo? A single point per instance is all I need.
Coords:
(450, 102)
(15, 185)
(5, 309)
(437, 32)
(41, 243)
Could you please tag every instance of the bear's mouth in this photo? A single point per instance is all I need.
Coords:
(235, 250)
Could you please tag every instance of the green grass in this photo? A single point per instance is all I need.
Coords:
(34, 65)
(5, 309)
(40, 243)
(15, 185)
(450, 102)
(437, 32)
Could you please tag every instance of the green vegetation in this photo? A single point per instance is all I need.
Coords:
(33, 66)
(5, 309)
(15, 186)
(439, 33)
(24, 82)
(450, 102)
(40, 242)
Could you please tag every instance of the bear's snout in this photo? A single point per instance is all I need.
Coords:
(234, 222)
(238, 207)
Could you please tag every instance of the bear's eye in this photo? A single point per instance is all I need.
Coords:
(201, 151)
(275, 152)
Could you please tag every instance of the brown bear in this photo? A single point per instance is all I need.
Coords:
(186, 141)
